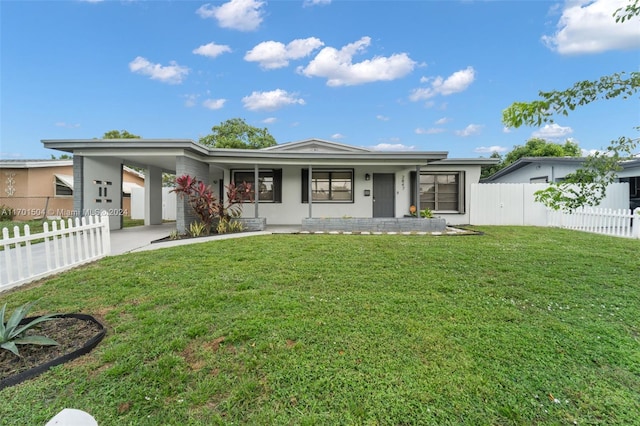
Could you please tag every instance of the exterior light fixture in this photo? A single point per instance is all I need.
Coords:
(367, 176)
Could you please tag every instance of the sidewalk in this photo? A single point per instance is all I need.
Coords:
(139, 238)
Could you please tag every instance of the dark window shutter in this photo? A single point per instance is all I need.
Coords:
(412, 189)
(305, 185)
(277, 185)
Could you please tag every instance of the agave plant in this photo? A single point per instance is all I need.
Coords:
(12, 333)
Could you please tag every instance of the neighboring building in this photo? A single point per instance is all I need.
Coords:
(37, 189)
(554, 169)
(307, 179)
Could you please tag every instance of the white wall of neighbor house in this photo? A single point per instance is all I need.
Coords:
(536, 173)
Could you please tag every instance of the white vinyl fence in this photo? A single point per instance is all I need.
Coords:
(169, 204)
(27, 257)
(617, 223)
(514, 203)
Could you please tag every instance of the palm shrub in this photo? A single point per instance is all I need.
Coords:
(12, 333)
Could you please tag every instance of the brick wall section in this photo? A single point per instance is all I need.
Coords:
(373, 225)
(78, 183)
(191, 167)
(248, 223)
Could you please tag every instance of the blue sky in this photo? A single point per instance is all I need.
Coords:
(388, 75)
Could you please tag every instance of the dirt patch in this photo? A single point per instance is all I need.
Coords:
(71, 332)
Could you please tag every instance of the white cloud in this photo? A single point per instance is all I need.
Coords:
(270, 101)
(588, 26)
(490, 149)
(470, 130)
(269, 120)
(338, 68)
(552, 131)
(309, 3)
(443, 120)
(190, 100)
(337, 136)
(213, 103)
(431, 131)
(392, 147)
(67, 125)
(506, 129)
(382, 117)
(243, 15)
(455, 83)
(172, 74)
(212, 50)
(273, 54)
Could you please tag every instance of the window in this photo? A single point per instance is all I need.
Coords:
(443, 191)
(269, 183)
(539, 179)
(64, 186)
(328, 186)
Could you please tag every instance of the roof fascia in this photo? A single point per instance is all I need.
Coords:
(32, 164)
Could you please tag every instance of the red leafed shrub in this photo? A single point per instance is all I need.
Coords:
(206, 206)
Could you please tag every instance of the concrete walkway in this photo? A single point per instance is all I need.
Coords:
(139, 238)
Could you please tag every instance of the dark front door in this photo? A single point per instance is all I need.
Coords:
(384, 195)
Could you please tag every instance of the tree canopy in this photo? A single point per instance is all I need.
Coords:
(236, 133)
(587, 186)
(119, 134)
(534, 147)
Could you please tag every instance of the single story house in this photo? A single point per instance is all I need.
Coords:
(307, 179)
(554, 169)
(36, 189)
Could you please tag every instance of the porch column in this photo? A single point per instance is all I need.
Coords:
(417, 193)
(310, 194)
(194, 168)
(256, 188)
(153, 196)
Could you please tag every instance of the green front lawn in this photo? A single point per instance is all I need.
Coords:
(518, 326)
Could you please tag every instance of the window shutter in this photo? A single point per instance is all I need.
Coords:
(412, 189)
(461, 192)
(305, 185)
(277, 185)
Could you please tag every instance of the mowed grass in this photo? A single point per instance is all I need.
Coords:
(518, 326)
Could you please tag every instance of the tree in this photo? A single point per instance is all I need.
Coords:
(587, 186)
(236, 133)
(62, 157)
(534, 147)
(119, 134)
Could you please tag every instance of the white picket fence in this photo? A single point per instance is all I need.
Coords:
(64, 246)
(618, 223)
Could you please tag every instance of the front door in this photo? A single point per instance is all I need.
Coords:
(384, 195)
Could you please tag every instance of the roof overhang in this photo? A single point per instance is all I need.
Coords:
(162, 153)
(525, 161)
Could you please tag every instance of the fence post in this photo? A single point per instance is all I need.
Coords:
(636, 223)
(106, 236)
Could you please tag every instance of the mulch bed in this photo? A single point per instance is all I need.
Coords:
(76, 334)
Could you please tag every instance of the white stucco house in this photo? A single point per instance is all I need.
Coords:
(554, 169)
(307, 179)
